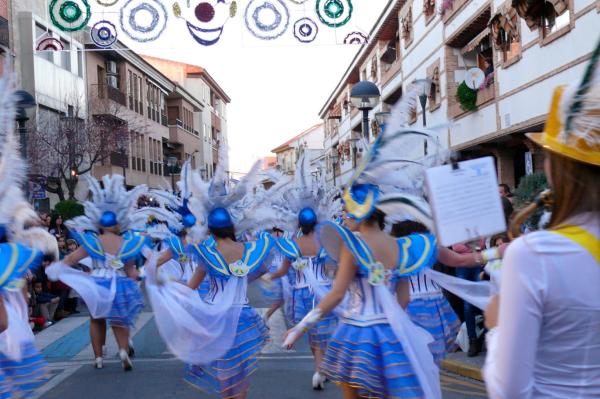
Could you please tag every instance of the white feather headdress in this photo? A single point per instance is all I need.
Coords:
(113, 197)
(305, 193)
(16, 213)
(395, 163)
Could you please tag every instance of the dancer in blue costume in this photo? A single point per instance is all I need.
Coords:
(220, 336)
(301, 207)
(22, 367)
(304, 252)
(274, 292)
(111, 292)
(377, 351)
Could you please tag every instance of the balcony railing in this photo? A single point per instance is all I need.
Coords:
(4, 33)
(105, 91)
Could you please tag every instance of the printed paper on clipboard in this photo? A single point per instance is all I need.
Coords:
(465, 201)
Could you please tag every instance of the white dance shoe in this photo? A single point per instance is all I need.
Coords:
(318, 381)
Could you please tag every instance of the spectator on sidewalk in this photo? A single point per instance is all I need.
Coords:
(504, 190)
(470, 274)
(57, 226)
(44, 304)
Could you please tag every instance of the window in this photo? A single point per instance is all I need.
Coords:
(80, 64)
(406, 26)
(130, 89)
(40, 31)
(555, 21)
(65, 55)
(140, 96)
(506, 37)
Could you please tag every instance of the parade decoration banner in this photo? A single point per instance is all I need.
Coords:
(70, 15)
(206, 22)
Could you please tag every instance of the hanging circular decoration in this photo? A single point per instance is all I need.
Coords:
(306, 30)
(356, 38)
(267, 19)
(104, 34)
(69, 15)
(48, 43)
(107, 3)
(299, 1)
(143, 20)
(334, 13)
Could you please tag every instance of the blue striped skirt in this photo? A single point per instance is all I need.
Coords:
(229, 376)
(21, 379)
(303, 301)
(128, 302)
(372, 360)
(434, 314)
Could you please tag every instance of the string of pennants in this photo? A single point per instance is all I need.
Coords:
(206, 21)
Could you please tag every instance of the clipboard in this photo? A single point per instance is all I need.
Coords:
(465, 201)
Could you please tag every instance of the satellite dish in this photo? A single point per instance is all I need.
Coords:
(474, 78)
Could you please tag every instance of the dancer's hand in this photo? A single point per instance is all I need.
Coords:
(291, 337)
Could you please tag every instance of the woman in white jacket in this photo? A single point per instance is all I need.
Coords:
(545, 326)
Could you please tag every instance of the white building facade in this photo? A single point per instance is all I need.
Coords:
(310, 142)
(523, 56)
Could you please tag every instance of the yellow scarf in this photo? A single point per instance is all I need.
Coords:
(582, 237)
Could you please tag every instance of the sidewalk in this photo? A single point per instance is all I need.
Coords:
(459, 363)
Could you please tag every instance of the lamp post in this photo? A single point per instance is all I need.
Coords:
(423, 90)
(334, 160)
(382, 118)
(172, 164)
(365, 96)
(354, 148)
(24, 101)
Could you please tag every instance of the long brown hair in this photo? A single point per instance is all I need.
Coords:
(575, 189)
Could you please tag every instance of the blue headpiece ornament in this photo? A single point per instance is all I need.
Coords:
(219, 218)
(360, 200)
(307, 217)
(187, 218)
(108, 219)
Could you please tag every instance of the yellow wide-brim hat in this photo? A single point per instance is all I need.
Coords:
(573, 125)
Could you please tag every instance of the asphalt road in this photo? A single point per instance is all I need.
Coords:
(157, 375)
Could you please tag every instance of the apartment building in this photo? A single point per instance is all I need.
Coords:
(309, 142)
(125, 92)
(5, 32)
(212, 118)
(523, 49)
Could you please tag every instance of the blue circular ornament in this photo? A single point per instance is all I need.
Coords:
(307, 217)
(219, 218)
(188, 220)
(108, 219)
(305, 30)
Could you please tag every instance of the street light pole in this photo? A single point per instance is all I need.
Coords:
(423, 100)
(365, 96)
(22, 129)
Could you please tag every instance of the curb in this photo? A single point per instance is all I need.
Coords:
(462, 369)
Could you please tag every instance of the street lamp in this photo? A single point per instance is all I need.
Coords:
(382, 118)
(24, 101)
(334, 160)
(353, 145)
(365, 96)
(172, 164)
(423, 90)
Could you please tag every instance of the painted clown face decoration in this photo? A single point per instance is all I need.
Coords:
(205, 19)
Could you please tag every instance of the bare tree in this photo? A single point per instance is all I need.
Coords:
(61, 147)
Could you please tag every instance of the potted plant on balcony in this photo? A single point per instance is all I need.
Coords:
(466, 97)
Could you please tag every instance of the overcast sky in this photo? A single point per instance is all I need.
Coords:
(277, 87)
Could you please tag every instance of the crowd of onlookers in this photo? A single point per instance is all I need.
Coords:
(51, 301)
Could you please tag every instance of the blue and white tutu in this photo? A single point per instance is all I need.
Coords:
(20, 379)
(303, 301)
(273, 293)
(128, 302)
(372, 360)
(204, 288)
(228, 376)
(434, 314)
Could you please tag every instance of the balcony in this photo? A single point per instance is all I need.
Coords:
(484, 96)
(107, 92)
(4, 33)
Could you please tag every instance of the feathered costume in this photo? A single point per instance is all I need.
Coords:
(22, 367)
(307, 276)
(108, 292)
(221, 335)
(376, 348)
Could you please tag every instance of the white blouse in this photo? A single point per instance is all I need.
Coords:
(547, 343)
